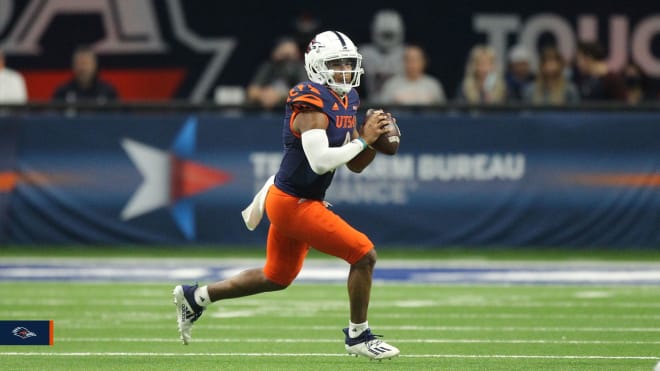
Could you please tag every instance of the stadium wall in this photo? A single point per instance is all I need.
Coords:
(494, 178)
(159, 50)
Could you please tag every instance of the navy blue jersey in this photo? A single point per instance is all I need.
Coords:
(295, 176)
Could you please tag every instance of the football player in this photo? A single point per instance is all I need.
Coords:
(319, 134)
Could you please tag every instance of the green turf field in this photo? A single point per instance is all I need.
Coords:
(456, 327)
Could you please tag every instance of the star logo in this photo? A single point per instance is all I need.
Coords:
(170, 178)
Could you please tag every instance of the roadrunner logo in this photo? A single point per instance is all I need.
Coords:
(23, 333)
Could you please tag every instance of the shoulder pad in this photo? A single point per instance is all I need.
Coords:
(305, 97)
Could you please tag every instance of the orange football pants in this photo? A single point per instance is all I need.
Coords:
(295, 225)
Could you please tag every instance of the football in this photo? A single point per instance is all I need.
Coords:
(387, 143)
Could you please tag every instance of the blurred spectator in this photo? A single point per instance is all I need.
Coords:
(483, 82)
(12, 85)
(274, 78)
(636, 84)
(551, 86)
(596, 81)
(519, 72)
(306, 26)
(414, 87)
(85, 84)
(383, 58)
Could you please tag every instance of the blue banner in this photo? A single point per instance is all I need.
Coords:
(536, 179)
(8, 175)
(26, 332)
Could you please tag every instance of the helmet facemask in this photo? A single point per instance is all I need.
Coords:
(342, 73)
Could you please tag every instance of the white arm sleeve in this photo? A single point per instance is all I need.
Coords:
(323, 158)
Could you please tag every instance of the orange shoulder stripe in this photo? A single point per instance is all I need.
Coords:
(313, 89)
(293, 131)
(308, 98)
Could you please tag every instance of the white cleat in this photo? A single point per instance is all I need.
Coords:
(370, 346)
(187, 311)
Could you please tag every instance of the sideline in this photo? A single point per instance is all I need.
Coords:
(323, 271)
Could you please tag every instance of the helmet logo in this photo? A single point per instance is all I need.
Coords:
(313, 45)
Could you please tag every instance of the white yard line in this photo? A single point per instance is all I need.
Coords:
(535, 316)
(229, 354)
(480, 302)
(568, 329)
(331, 341)
(127, 315)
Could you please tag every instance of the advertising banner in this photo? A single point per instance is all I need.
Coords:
(8, 175)
(535, 179)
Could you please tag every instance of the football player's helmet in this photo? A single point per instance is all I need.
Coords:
(325, 53)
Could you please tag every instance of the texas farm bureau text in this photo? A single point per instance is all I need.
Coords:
(391, 179)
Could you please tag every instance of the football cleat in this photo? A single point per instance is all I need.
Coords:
(369, 345)
(187, 310)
